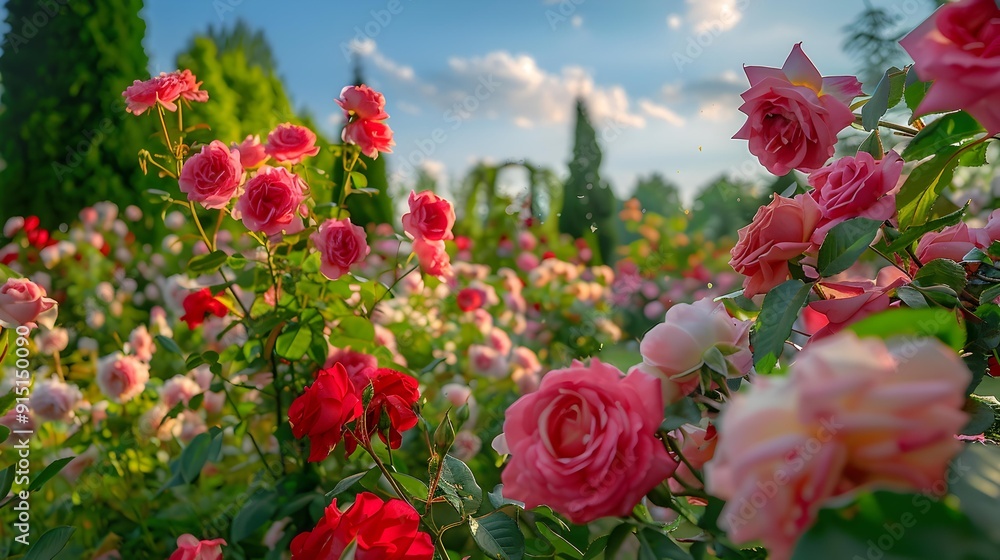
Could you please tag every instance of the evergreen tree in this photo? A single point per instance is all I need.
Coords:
(67, 140)
(658, 195)
(589, 205)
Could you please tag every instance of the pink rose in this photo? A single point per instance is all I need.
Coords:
(23, 302)
(954, 242)
(371, 136)
(958, 48)
(485, 360)
(499, 340)
(697, 445)
(855, 186)
(769, 470)
(779, 232)
(433, 257)
(676, 347)
(191, 89)
(212, 176)
(252, 152)
(794, 114)
(143, 95)
(362, 102)
(849, 302)
(896, 406)
(179, 388)
(190, 548)
(585, 442)
(121, 377)
(340, 244)
(52, 341)
(271, 202)
(358, 365)
(54, 400)
(141, 344)
(672, 390)
(430, 217)
(291, 143)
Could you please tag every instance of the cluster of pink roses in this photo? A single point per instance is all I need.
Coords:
(364, 109)
(164, 90)
(851, 414)
(428, 224)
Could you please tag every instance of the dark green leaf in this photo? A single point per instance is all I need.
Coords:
(255, 513)
(989, 294)
(974, 156)
(923, 186)
(932, 322)
(458, 486)
(498, 500)
(559, 542)
(207, 263)
(47, 473)
(916, 232)
(50, 544)
(346, 483)
(498, 536)
(680, 413)
(914, 92)
(941, 272)
(6, 480)
(194, 456)
(887, 93)
(4, 433)
(950, 129)
(777, 315)
(844, 243)
(873, 145)
(294, 342)
(911, 297)
(596, 548)
(654, 545)
(975, 480)
(412, 486)
(169, 345)
(981, 415)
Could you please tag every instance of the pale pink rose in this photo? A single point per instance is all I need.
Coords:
(341, 244)
(291, 143)
(362, 102)
(14, 225)
(779, 232)
(80, 463)
(958, 48)
(190, 548)
(271, 202)
(677, 346)
(430, 217)
(457, 394)
(697, 445)
(371, 136)
(672, 390)
(141, 344)
(252, 152)
(13, 420)
(466, 446)
(526, 380)
(526, 241)
(526, 358)
(855, 186)
(486, 360)
(23, 302)
(191, 424)
(896, 406)
(526, 261)
(51, 341)
(794, 114)
(212, 176)
(954, 242)
(433, 257)
(179, 388)
(774, 472)
(120, 377)
(500, 341)
(585, 443)
(276, 532)
(54, 400)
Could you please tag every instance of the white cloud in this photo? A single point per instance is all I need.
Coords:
(660, 112)
(714, 16)
(367, 48)
(436, 169)
(408, 108)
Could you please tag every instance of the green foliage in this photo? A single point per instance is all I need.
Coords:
(67, 140)
(777, 315)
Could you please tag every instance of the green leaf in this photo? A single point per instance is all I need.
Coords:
(916, 232)
(873, 145)
(346, 483)
(294, 342)
(923, 186)
(458, 486)
(974, 156)
(50, 544)
(682, 412)
(194, 456)
(258, 510)
(989, 294)
(6, 480)
(207, 263)
(891, 526)
(953, 128)
(498, 500)
(236, 262)
(777, 315)
(169, 345)
(912, 297)
(558, 541)
(358, 327)
(914, 92)
(617, 538)
(411, 485)
(844, 243)
(596, 548)
(359, 180)
(654, 545)
(981, 415)
(4, 434)
(887, 94)
(931, 322)
(975, 476)
(941, 272)
(498, 536)
(47, 473)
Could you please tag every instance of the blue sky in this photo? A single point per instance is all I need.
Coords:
(662, 78)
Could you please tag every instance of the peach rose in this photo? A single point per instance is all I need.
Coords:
(855, 186)
(794, 114)
(958, 48)
(212, 176)
(55, 400)
(848, 302)
(371, 136)
(341, 244)
(779, 232)
(585, 442)
(291, 143)
(362, 102)
(23, 302)
(120, 377)
(433, 257)
(252, 152)
(430, 217)
(954, 242)
(271, 202)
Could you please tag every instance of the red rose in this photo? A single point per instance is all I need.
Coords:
(201, 304)
(323, 410)
(291, 143)
(470, 299)
(371, 136)
(382, 530)
(394, 395)
(430, 217)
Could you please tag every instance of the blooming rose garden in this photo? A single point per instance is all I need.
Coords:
(267, 379)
